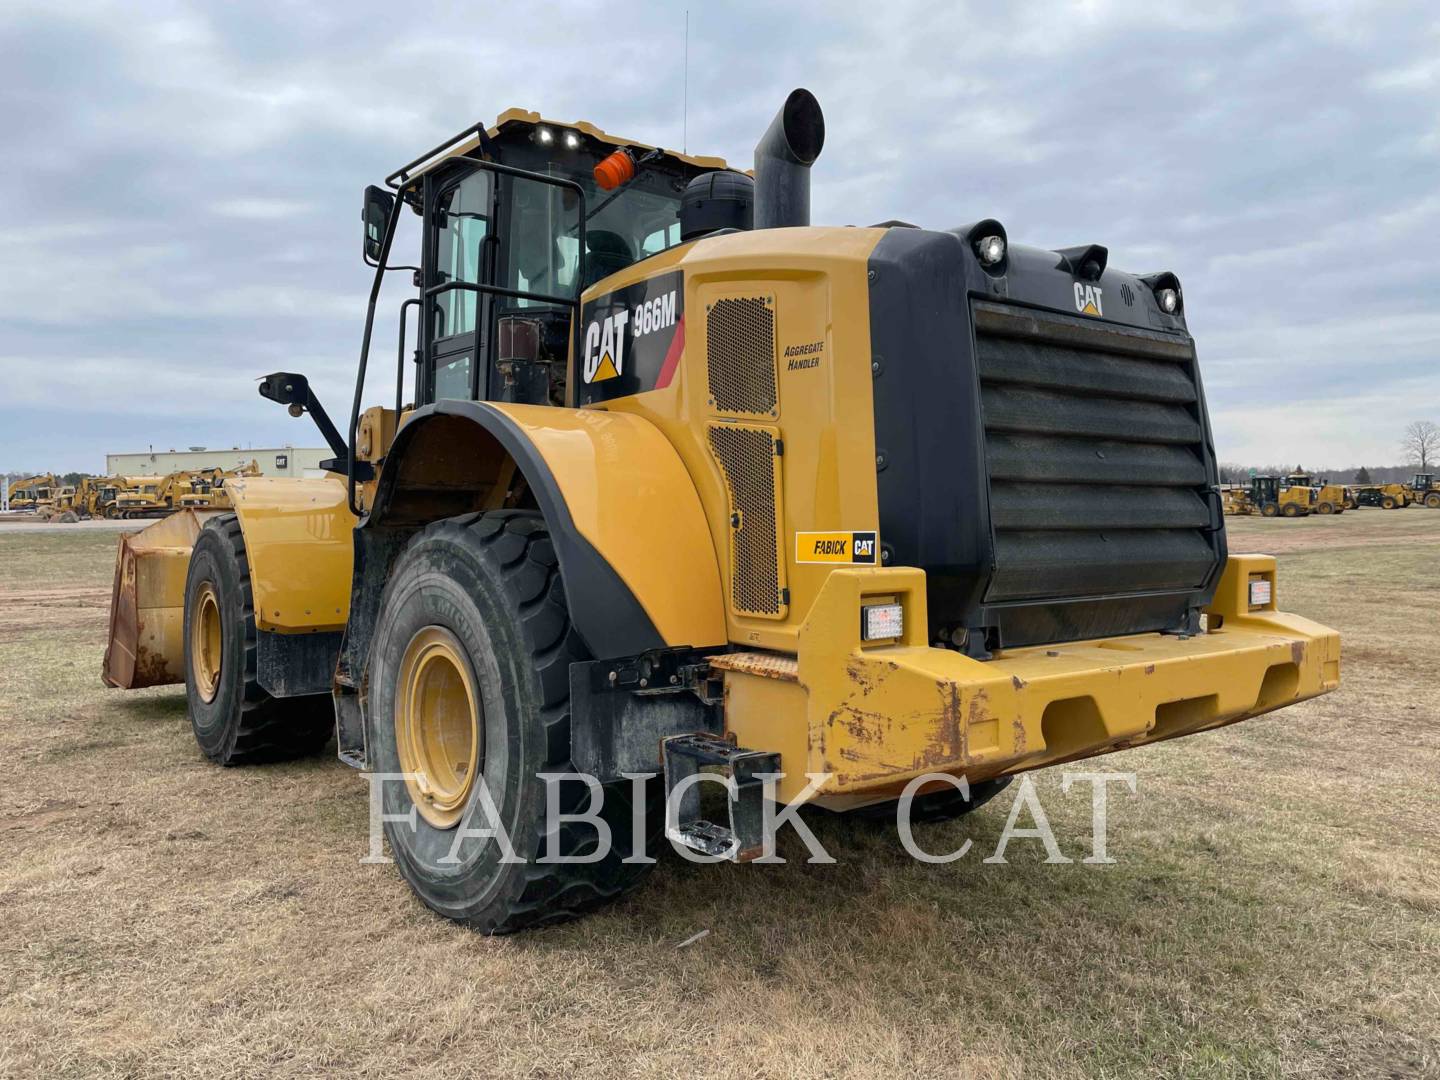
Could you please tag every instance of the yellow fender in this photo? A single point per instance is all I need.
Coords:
(298, 539)
(630, 534)
(299, 546)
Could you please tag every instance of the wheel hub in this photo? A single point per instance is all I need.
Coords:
(438, 735)
(206, 639)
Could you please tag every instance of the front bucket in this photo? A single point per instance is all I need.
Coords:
(147, 606)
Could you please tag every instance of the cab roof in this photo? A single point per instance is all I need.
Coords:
(468, 140)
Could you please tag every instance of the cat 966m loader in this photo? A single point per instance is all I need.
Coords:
(684, 482)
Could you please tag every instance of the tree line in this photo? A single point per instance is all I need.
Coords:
(1419, 446)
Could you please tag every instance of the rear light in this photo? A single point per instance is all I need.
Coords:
(881, 622)
(1261, 592)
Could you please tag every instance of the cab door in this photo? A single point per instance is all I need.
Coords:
(460, 248)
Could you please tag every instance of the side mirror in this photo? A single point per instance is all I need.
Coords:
(379, 204)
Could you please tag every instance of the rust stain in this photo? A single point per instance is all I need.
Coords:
(1149, 669)
(151, 669)
(1019, 733)
(858, 672)
(1297, 652)
(1018, 682)
(949, 741)
(763, 665)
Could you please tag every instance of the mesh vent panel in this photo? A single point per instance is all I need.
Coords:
(747, 457)
(740, 352)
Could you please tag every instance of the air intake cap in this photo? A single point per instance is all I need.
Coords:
(717, 200)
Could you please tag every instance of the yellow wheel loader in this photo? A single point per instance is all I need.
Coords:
(687, 485)
(1425, 489)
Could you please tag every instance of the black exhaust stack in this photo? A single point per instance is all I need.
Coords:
(783, 157)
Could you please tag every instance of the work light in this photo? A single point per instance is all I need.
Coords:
(1169, 300)
(990, 249)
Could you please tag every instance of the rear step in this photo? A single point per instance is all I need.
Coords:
(686, 755)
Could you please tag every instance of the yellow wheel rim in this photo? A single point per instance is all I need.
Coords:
(205, 642)
(437, 726)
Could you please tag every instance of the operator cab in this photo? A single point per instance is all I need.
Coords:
(516, 227)
(1265, 488)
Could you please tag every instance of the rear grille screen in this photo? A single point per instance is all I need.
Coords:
(747, 457)
(740, 352)
(1096, 451)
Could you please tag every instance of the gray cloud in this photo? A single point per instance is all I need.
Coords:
(186, 180)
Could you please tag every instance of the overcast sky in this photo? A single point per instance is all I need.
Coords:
(185, 181)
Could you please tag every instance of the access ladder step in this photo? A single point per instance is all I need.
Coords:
(743, 769)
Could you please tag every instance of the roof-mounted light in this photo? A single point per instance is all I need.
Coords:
(1169, 300)
(544, 136)
(572, 141)
(990, 250)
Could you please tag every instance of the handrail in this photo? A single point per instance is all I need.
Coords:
(400, 360)
(404, 173)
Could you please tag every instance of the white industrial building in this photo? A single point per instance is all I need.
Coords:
(272, 460)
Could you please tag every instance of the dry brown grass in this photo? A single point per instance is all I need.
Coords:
(1275, 909)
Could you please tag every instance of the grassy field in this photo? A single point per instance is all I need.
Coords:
(1274, 910)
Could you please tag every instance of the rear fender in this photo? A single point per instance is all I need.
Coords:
(630, 535)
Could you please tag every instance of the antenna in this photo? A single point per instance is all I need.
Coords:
(685, 108)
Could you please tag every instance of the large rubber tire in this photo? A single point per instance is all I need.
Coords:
(1326, 508)
(242, 724)
(1388, 503)
(947, 804)
(491, 583)
(1291, 510)
(1269, 510)
(1432, 500)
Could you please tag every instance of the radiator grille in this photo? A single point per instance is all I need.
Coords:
(1096, 449)
(740, 354)
(752, 478)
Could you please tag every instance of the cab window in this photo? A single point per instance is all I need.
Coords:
(464, 213)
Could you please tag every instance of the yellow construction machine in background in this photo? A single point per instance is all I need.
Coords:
(33, 494)
(207, 487)
(1425, 490)
(1329, 498)
(1385, 496)
(1270, 496)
